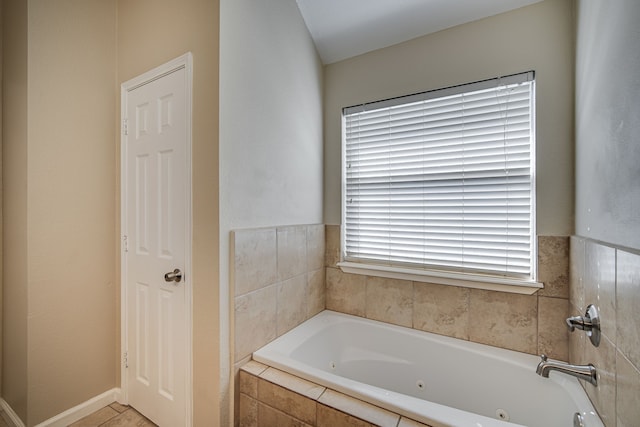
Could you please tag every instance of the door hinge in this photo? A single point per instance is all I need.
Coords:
(125, 243)
(125, 126)
(125, 359)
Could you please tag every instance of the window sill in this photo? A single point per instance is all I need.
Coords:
(501, 284)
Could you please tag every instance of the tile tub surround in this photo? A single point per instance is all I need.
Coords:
(608, 277)
(278, 282)
(277, 276)
(528, 323)
(270, 397)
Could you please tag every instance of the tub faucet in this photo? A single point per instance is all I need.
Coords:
(590, 323)
(583, 372)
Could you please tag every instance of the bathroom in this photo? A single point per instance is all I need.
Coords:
(61, 331)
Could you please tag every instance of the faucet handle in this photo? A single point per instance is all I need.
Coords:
(590, 323)
(544, 357)
(575, 321)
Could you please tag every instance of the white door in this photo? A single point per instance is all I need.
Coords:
(156, 232)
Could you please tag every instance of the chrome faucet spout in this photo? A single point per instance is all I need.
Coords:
(583, 372)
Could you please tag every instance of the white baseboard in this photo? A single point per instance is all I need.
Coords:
(13, 417)
(82, 410)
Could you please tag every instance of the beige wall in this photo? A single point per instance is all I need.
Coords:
(63, 64)
(58, 181)
(58, 168)
(151, 32)
(70, 203)
(537, 37)
(14, 224)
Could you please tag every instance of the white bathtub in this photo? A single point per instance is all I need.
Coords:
(437, 380)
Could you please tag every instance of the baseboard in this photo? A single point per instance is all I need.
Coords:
(82, 410)
(14, 419)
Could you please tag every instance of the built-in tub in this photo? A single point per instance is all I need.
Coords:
(437, 380)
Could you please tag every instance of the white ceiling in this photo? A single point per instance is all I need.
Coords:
(342, 29)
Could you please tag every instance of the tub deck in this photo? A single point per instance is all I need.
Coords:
(272, 397)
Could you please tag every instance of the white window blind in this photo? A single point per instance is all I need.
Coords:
(443, 179)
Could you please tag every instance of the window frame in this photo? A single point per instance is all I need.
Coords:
(480, 280)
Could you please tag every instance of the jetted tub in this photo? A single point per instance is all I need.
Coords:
(437, 380)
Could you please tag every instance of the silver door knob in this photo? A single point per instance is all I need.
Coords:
(173, 276)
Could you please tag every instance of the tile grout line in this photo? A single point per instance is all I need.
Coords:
(116, 415)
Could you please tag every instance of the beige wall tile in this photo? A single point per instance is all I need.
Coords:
(332, 245)
(628, 305)
(345, 292)
(627, 392)
(389, 300)
(553, 265)
(255, 321)
(604, 395)
(553, 334)
(504, 320)
(359, 409)
(287, 401)
(611, 281)
(292, 251)
(315, 247)
(253, 367)
(267, 416)
(248, 384)
(441, 309)
(237, 366)
(316, 295)
(293, 383)
(576, 273)
(292, 303)
(248, 411)
(600, 284)
(270, 417)
(254, 258)
(329, 417)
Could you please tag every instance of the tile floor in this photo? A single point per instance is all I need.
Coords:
(114, 415)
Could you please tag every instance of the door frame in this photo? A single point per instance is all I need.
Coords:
(182, 62)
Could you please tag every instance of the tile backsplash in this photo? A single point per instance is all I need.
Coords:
(278, 282)
(609, 278)
(277, 278)
(528, 323)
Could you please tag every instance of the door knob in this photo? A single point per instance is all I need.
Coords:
(173, 276)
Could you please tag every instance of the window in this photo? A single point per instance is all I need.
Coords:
(443, 180)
